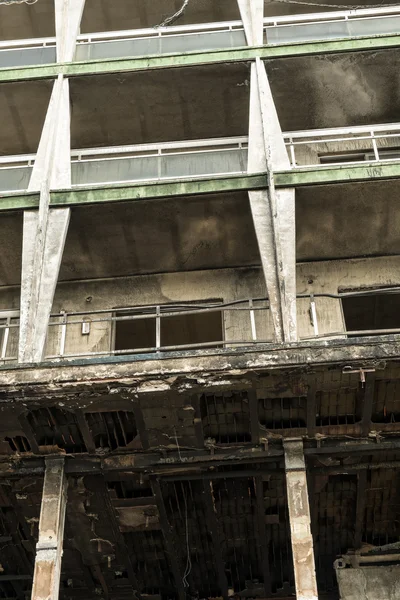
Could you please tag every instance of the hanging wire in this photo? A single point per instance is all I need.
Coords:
(175, 16)
(10, 2)
(188, 568)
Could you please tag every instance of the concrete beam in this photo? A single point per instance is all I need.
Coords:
(46, 578)
(45, 230)
(243, 54)
(273, 211)
(300, 522)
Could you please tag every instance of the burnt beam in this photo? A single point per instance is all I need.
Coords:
(262, 537)
(213, 527)
(122, 553)
(197, 421)
(360, 508)
(311, 409)
(254, 417)
(368, 403)
(85, 431)
(171, 545)
(46, 577)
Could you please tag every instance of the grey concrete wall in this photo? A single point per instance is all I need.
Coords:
(369, 583)
(224, 284)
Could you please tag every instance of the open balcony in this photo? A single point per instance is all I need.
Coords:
(375, 144)
(204, 37)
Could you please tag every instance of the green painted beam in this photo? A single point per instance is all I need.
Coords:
(143, 191)
(163, 189)
(242, 54)
(337, 174)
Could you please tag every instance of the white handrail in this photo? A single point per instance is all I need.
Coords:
(269, 22)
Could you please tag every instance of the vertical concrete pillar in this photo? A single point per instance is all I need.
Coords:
(273, 210)
(68, 20)
(46, 578)
(45, 230)
(300, 522)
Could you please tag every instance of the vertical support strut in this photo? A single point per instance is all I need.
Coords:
(300, 521)
(46, 578)
(45, 230)
(273, 210)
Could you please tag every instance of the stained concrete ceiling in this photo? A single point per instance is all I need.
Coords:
(24, 21)
(164, 105)
(181, 234)
(23, 107)
(110, 15)
(339, 90)
(213, 231)
(348, 220)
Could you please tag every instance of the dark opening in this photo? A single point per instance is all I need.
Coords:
(375, 311)
(176, 330)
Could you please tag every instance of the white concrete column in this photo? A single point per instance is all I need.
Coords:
(300, 521)
(68, 21)
(45, 230)
(46, 577)
(252, 14)
(273, 210)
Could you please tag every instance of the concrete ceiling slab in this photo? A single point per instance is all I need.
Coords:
(23, 107)
(181, 234)
(25, 21)
(104, 15)
(165, 105)
(348, 221)
(338, 90)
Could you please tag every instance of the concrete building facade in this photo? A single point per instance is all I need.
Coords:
(199, 300)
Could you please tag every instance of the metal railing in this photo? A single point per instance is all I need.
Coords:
(203, 37)
(314, 148)
(210, 157)
(153, 162)
(244, 323)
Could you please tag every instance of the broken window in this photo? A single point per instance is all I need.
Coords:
(372, 312)
(173, 330)
(226, 417)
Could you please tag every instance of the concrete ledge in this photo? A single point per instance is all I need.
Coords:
(241, 54)
(194, 369)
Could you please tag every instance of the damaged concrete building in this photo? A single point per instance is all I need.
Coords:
(199, 300)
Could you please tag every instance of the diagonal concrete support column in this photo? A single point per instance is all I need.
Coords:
(46, 577)
(300, 521)
(68, 20)
(273, 210)
(45, 230)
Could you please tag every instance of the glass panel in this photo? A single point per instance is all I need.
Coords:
(306, 32)
(375, 26)
(160, 45)
(14, 179)
(23, 57)
(120, 169)
(202, 41)
(204, 163)
(336, 29)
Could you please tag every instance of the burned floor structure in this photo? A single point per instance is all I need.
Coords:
(199, 300)
(183, 485)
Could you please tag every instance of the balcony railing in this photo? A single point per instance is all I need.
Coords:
(243, 323)
(349, 145)
(204, 37)
(146, 162)
(212, 157)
